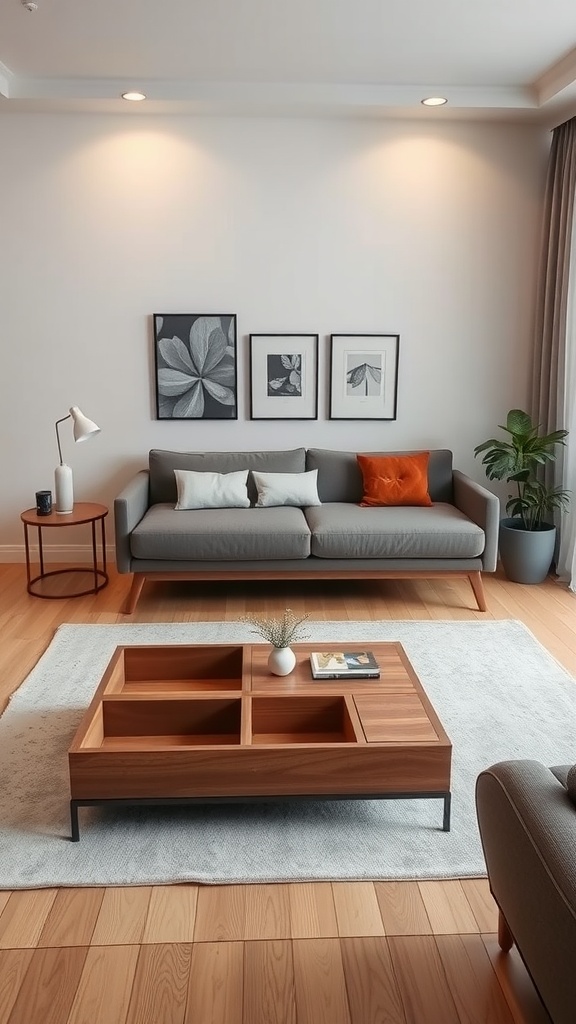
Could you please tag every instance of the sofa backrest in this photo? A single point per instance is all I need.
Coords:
(340, 478)
(163, 463)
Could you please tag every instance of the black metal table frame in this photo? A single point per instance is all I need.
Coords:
(100, 574)
(171, 801)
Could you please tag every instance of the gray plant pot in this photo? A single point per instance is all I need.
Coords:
(526, 555)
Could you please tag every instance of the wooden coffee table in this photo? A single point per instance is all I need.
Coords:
(176, 724)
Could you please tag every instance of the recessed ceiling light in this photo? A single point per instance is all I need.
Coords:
(134, 96)
(434, 101)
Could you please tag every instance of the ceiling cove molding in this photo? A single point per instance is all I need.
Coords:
(295, 95)
(557, 79)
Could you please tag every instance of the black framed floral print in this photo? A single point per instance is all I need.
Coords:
(196, 371)
(283, 376)
(364, 376)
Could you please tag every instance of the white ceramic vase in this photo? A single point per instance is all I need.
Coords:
(64, 489)
(281, 660)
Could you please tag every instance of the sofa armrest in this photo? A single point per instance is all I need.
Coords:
(528, 829)
(483, 508)
(129, 507)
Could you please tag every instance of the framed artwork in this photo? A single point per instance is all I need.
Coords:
(283, 376)
(363, 376)
(195, 359)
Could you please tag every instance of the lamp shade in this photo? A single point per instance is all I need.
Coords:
(83, 427)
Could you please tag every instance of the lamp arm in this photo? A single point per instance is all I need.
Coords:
(58, 437)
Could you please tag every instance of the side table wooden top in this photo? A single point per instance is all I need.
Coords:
(83, 512)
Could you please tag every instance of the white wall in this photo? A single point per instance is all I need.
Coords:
(425, 230)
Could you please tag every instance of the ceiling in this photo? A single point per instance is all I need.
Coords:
(499, 59)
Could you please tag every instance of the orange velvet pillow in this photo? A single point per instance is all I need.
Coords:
(395, 479)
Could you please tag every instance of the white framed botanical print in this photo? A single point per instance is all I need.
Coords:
(283, 376)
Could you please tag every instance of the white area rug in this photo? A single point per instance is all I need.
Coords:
(498, 693)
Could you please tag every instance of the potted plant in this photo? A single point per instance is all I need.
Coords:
(280, 632)
(527, 538)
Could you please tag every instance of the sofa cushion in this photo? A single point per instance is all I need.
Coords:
(298, 489)
(163, 463)
(566, 774)
(395, 479)
(340, 478)
(342, 530)
(221, 533)
(211, 490)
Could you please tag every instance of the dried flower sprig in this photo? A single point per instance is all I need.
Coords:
(280, 632)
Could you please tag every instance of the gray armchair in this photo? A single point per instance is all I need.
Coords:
(527, 820)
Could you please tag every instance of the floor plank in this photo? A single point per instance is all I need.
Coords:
(474, 986)
(447, 907)
(482, 903)
(422, 980)
(269, 992)
(402, 908)
(220, 913)
(51, 983)
(357, 909)
(521, 996)
(371, 985)
(24, 916)
(160, 984)
(319, 980)
(216, 985)
(267, 912)
(72, 918)
(312, 911)
(122, 916)
(171, 914)
(103, 994)
(14, 964)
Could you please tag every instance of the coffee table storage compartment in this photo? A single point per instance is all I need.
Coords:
(151, 723)
(301, 719)
(176, 668)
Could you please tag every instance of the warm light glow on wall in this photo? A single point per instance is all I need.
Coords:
(135, 97)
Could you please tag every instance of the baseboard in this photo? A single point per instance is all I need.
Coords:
(69, 553)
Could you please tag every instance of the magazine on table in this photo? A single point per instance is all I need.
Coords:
(344, 665)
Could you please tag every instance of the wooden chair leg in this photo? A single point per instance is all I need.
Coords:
(138, 581)
(505, 937)
(478, 588)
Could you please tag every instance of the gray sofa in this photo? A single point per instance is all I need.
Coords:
(527, 819)
(456, 536)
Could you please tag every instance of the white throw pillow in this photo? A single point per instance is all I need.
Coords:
(211, 490)
(287, 488)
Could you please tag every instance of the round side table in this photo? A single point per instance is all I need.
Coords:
(83, 512)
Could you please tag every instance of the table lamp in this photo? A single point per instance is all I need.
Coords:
(63, 484)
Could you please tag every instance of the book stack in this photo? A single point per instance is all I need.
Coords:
(344, 665)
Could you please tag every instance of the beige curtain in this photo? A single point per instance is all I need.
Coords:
(555, 343)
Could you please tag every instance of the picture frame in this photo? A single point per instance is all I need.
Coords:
(196, 366)
(283, 376)
(364, 376)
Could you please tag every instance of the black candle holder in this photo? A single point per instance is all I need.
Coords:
(44, 503)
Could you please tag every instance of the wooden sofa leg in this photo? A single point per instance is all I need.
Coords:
(505, 937)
(138, 581)
(478, 588)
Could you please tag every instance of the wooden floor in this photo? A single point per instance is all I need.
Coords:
(327, 953)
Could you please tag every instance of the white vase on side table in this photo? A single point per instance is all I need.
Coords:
(63, 488)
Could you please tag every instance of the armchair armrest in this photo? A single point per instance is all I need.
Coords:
(528, 828)
(129, 507)
(483, 508)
